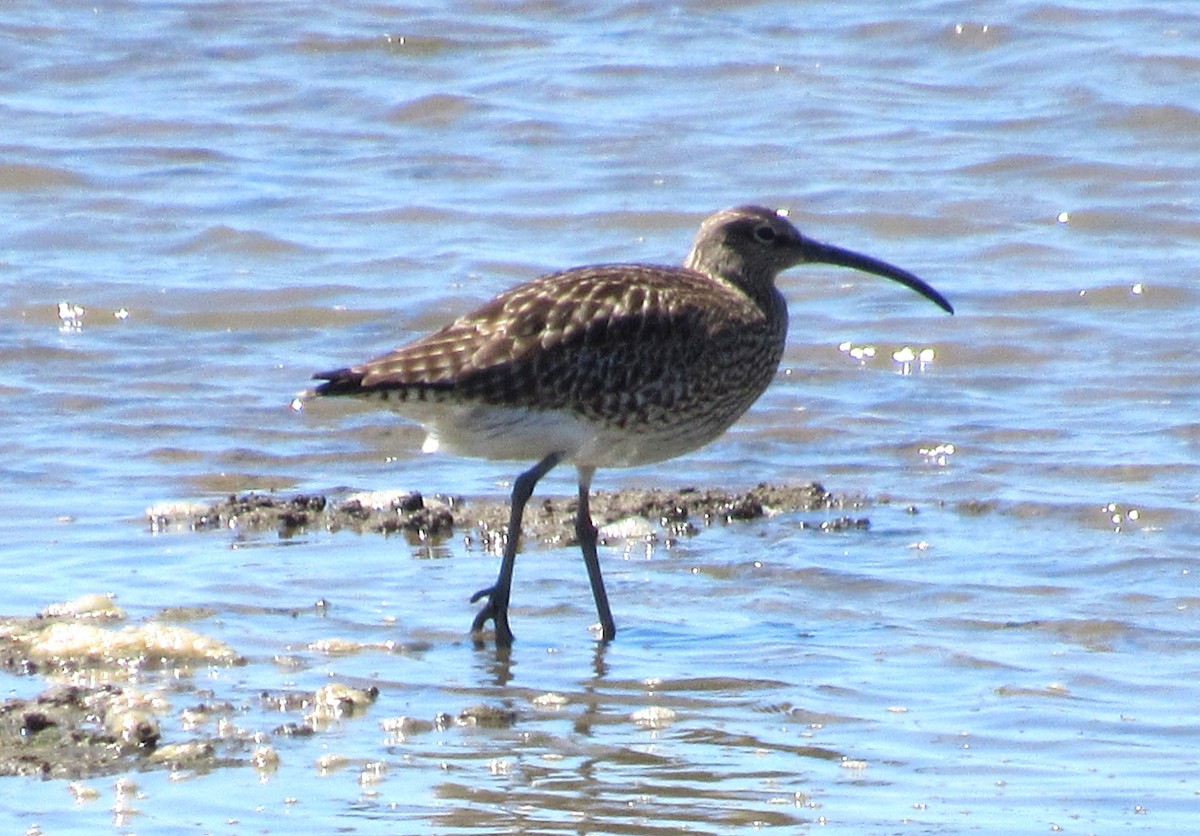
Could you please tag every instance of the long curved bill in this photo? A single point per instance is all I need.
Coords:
(828, 254)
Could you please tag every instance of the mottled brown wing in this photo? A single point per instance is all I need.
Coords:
(595, 339)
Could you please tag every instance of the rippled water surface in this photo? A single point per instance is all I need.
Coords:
(205, 202)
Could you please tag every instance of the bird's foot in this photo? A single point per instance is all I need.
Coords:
(605, 630)
(490, 612)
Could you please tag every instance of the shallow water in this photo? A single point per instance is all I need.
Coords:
(206, 202)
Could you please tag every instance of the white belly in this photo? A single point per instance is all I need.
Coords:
(517, 434)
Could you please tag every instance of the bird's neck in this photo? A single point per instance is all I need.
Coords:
(761, 290)
(728, 266)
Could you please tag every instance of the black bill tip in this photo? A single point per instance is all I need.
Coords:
(828, 254)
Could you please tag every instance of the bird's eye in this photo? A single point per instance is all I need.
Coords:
(765, 234)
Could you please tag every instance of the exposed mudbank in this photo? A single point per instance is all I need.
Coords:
(630, 514)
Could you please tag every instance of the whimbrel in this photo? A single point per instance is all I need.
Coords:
(611, 365)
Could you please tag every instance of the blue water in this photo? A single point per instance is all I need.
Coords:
(205, 203)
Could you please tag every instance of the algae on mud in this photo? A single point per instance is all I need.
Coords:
(109, 693)
(95, 716)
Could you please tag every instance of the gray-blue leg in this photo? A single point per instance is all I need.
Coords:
(496, 609)
(585, 531)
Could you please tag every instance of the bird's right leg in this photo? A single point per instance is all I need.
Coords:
(585, 531)
(496, 608)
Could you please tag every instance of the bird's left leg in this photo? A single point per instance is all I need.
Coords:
(496, 608)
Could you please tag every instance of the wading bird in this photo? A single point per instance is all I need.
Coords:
(611, 365)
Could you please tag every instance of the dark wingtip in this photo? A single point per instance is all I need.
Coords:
(338, 382)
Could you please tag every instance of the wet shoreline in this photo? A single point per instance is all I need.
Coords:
(101, 714)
